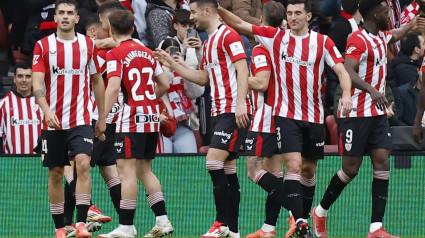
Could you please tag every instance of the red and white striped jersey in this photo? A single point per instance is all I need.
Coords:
(262, 102)
(20, 123)
(113, 115)
(299, 64)
(371, 52)
(137, 68)
(67, 65)
(223, 47)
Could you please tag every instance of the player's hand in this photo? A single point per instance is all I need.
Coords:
(346, 104)
(241, 115)
(163, 117)
(418, 22)
(100, 128)
(417, 132)
(390, 111)
(163, 57)
(380, 99)
(178, 58)
(51, 119)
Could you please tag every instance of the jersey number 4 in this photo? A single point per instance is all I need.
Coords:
(135, 74)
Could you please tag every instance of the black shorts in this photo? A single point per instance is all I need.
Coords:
(57, 147)
(357, 136)
(300, 136)
(103, 151)
(260, 144)
(135, 145)
(226, 135)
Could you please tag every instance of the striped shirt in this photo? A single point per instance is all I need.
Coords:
(298, 63)
(67, 65)
(20, 123)
(371, 52)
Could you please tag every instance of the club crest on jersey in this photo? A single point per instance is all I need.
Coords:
(44, 15)
(348, 146)
(35, 59)
(146, 118)
(350, 50)
(58, 71)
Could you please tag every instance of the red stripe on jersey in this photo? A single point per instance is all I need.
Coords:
(30, 127)
(316, 73)
(47, 78)
(11, 147)
(276, 55)
(21, 132)
(226, 81)
(75, 84)
(233, 140)
(60, 81)
(303, 77)
(127, 143)
(290, 79)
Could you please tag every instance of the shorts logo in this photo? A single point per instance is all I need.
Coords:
(119, 150)
(119, 144)
(249, 147)
(389, 134)
(223, 141)
(222, 133)
(88, 140)
(348, 146)
(249, 141)
(321, 144)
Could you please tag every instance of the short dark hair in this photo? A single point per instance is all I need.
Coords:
(110, 6)
(409, 42)
(350, 6)
(92, 20)
(22, 65)
(273, 13)
(307, 4)
(122, 22)
(182, 16)
(368, 6)
(202, 3)
(170, 42)
(69, 2)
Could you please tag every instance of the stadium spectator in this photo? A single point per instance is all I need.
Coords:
(137, 125)
(67, 131)
(301, 149)
(159, 18)
(224, 66)
(404, 67)
(261, 141)
(366, 130)
(20, 116)
(167, 126)
(406, 97)
(180, 107)
(416, 7)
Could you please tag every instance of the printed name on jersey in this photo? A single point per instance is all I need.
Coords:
(137, 53)
(35, 59)
(294, 60)
(212, 65)
(350, 50)
(260, 61)
(236, 48)
(111, 66)
(337, 53)
(16, 121)
(58, 71)
(146, 118)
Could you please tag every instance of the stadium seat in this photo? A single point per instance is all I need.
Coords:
(332, 127)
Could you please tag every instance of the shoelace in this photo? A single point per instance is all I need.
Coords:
(215, 226)
(96, 209)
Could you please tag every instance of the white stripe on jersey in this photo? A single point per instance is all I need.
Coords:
(53, 78)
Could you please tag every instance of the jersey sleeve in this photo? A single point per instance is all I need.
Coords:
(158, 68)
(94, 67)
(260, 60)
(265, 35)
(2, 119)
(113, 65)
(38, 61)
(388, 36)
(332, 54)
(234, 46)
(355, 48)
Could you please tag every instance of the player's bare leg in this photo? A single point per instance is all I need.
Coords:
(82, 193)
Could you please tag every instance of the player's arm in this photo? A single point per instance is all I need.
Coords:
(345, 82)
(352, 65)
(417, 125)
(235, 22)
(107, 43)
(162, 85)
(399, 33)
(40, 95)
(111, 93)
(260, 81)
(99, 94)
(197, 76)
(242, 119)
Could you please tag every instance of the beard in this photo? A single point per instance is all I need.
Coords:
(383, 25)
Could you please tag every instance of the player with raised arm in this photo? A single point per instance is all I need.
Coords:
(132, 69)
(224, 67)
(366, 129)
(62, 64)
(298, 57)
